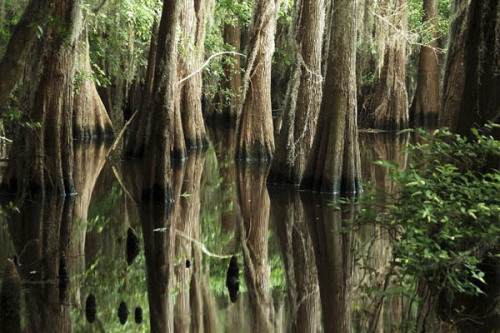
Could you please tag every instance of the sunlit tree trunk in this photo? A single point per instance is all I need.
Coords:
(426, 103)
(334, 162)
(255, 137)
(304, 95)
(193, 22)
(42, 158)
(90, 118)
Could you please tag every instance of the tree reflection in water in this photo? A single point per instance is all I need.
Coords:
(297, 273)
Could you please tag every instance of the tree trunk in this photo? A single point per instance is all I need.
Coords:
(90, 119)
(157, 164)
(426, 103)
(42, 158)
(193, 21)
(304, 96)
(454, 76)
(334, 162)
(481, 100)
(11, 67)
(255, 128)
(389, 102)
(231, 82)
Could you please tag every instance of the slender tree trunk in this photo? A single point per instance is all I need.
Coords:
(304, 95)
(11, 67)
(334, 162)
(481, 99)
(426, 103)
(255, 128)
(231, 82)
(157, 164)
(42, 158)
(454, 75)
(389, 102)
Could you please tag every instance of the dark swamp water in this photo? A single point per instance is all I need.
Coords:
(232, 254)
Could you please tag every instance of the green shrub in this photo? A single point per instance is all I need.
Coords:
(445, 210)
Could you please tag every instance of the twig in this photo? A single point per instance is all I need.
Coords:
(202, 247)
(113, 147)
(207, 62)
(5, 139)
(127, 192)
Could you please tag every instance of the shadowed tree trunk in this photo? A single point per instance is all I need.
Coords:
(304, 95)
(255, 128)
(334, 162)
(389, 102)
(298, 257)
(157, 163)
(10, 300)
(231, 82)
(255, 207)
(42, 158)
(426, 103)
(34, 17)
(454, 75)
(480, 98)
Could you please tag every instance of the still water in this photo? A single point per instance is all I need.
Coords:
(103, 262)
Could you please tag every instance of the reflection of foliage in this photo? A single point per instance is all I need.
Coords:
(445, 211)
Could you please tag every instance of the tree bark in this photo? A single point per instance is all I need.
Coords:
(426, 103)
(90, 119)
(157, 164)
(193, 21)
(334, 162)
(389, 102)
(11, 67)
(454, 75)
(42, 158)
(255, 128)
(481, 100)
(303, 97)
(231, 82)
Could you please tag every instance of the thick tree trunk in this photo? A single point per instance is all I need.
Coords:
(454, 75)
(334, 162)
(157, 164)
(193, 21)
(426, 103)
(389, 102)
(303, 98)
(255, 128)
(11, 66)
(42, 158)
(90, 119)
(481, 100)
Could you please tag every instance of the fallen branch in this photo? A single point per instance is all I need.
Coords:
(5, 139)
(113, 147)
(207, 62)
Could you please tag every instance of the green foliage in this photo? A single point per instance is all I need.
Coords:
(445, 210)
(416, 18)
